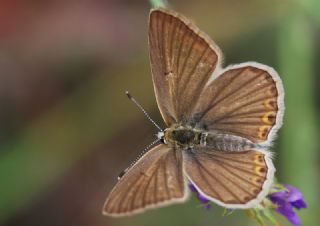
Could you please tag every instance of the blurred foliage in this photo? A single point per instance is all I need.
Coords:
(67, 129)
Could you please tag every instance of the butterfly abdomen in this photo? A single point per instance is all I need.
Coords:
(225, 142)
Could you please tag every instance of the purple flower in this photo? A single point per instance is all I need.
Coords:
(286, 201)
(204, 201)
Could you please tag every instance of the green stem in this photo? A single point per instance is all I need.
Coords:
(158, 3)
(298, 164)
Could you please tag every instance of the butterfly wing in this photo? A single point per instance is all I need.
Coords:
(182, 60)
(231, 179)
(155, 180)
(245, 100)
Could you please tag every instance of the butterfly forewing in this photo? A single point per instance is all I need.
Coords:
(182, 61)
(231, 179)
(155, 180)
(245, 100)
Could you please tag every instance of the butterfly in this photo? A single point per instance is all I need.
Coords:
(220, 124)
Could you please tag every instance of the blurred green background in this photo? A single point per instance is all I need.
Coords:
(67, 129)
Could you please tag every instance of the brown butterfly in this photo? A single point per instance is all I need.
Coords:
(220, 124)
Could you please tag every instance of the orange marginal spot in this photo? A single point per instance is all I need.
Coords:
(263, 132)
(259, 159)
(269, 118)
(261, 170)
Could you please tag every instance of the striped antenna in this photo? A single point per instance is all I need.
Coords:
(144, 111)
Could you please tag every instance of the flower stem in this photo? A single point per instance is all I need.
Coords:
(297, 57)
(158, 3)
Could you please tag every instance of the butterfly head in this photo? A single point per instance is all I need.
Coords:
(160, 136)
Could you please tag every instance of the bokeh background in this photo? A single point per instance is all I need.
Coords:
(67, 129)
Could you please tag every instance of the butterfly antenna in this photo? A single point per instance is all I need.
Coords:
(144, 111)
(139, 156)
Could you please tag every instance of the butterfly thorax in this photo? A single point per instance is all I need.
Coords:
(182, 136)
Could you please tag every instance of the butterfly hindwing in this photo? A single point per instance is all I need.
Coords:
(231, 179)
(155, 180)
